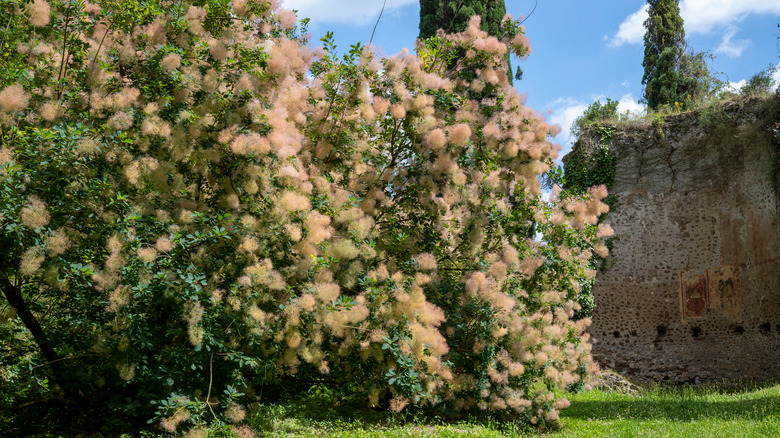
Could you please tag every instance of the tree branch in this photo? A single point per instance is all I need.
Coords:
(13, 294)
(377, 22)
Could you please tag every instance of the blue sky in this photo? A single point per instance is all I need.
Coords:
(582, 50)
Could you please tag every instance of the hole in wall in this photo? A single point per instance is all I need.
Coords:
(738, 330)
(696, 332)
(633, 332)
(661, 330)
(616, 334)
(765, 327)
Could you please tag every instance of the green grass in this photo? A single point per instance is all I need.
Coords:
(674, 412)
(312, 419)
(654, 412)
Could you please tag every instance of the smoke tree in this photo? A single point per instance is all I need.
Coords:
(194, 203)
(452, 16)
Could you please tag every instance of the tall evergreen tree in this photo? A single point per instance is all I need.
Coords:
(663, 79)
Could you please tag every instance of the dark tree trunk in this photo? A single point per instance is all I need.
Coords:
(13, 293)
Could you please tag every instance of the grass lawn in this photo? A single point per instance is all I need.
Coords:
(674, 412)
(312, 419)
(653, 412)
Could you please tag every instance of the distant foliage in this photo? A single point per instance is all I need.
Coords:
(194, 205)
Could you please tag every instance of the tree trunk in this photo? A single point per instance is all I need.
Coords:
(13, 293)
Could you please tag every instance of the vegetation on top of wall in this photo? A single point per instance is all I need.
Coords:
(454, 16)
(596, 113)
(583, 168)
(761, 83)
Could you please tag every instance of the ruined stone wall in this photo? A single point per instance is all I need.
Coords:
(692, 291)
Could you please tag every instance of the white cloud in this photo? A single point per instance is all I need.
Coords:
(564, 112)
(734, 87)
(357, 12)
(731, 47)
(628, 104)
(632, 29)
(700, 16)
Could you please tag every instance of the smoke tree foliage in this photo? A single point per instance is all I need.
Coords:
(195, 203)
(452, 16)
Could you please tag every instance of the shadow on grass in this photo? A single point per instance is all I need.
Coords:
(318, 414)
(675, 410)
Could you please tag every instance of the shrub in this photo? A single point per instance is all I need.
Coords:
(187, 215)
(760, 83)
(594, 113)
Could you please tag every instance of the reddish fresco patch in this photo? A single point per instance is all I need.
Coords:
(693, 293)
(718, 289)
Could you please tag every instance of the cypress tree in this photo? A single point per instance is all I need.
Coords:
(664, 38)
(665, 60)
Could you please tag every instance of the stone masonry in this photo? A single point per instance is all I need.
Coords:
(691, 292)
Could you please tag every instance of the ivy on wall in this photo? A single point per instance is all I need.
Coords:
(582, 170)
